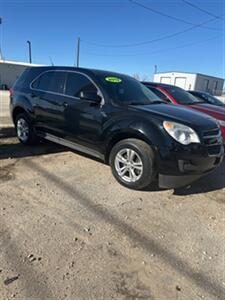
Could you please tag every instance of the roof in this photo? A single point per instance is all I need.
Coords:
(11, 62)
(159, 73)
(87, 71)
(155, 84)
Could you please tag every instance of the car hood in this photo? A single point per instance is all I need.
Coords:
(218, 112)
(178, 114)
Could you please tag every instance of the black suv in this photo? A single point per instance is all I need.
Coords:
(118, 120)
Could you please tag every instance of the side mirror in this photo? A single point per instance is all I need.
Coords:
(90, 96)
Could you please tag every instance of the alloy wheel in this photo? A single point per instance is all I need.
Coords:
(129, 165)
(22, 129)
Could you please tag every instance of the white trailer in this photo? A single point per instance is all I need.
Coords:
(192, 81)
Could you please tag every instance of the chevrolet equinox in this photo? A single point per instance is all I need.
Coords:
(116, 119)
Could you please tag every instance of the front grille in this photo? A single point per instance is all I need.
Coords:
(213, 140)
(210, 133)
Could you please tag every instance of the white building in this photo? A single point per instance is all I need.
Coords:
(10, 71)
(192, 81)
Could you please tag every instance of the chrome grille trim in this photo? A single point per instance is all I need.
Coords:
(213, 141)
(212, 136)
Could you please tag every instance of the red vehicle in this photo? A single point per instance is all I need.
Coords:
(178, 96)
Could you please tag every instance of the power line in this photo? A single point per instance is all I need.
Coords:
(153, 52)
(202, 10)
(169, 16)
(154, 40)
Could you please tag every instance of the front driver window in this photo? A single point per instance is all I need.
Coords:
(77, 83)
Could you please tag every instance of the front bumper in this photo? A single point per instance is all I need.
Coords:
(182, 165)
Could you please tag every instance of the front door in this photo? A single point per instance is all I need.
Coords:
(83, 118)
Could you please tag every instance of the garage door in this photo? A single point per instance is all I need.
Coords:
(165, 80)
(181, 82)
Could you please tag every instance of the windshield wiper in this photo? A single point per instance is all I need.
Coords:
(194, 103)
(158, 102)
(200, 101)
(144, 103)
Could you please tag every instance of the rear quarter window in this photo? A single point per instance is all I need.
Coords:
(22, 81)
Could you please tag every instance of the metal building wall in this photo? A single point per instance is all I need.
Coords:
(184, 80)
(9, 73)
(212, 85)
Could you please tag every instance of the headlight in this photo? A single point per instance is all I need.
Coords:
(181, 133)
(221, 123)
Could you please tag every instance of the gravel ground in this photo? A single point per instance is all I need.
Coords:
(68, 230)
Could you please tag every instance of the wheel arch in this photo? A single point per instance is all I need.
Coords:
(18, 110)
(125, 135)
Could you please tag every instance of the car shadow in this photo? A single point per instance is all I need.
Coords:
(10, 147)
(7, 132)
(208, 183)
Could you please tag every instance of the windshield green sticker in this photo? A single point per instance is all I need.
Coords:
(113, 79)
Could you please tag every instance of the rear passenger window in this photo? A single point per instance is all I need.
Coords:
(50, 81)
(77, 83)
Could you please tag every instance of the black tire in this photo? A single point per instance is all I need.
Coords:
(143, 153)
(31, 137)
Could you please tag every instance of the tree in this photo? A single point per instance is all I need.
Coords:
(140, 77)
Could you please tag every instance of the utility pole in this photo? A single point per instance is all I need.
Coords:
(29, 48)
(1, 56)
(156, 69)
(78, 52)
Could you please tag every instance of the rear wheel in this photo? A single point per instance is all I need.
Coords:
(24, 130)
(132, 163)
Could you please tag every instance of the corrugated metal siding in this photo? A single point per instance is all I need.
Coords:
(9, 73)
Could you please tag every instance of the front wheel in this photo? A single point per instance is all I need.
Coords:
(132, 163)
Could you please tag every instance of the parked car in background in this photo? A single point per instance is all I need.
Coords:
(173, 94)
(118, 120)
(207, 98)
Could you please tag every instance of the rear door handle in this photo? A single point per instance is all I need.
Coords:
(65, 104)
(33, 95)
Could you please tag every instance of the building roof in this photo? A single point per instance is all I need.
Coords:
(11, 62)
(192, 73)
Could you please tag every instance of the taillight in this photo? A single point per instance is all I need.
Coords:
(10, 92)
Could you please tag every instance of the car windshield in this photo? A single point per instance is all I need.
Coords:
(127, 90)
(181, 96)
(209, 99)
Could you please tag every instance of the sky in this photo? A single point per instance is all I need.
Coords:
(118, 35)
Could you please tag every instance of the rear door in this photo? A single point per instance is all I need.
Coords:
(47, 91)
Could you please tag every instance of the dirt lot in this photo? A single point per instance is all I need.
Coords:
(69, 231)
